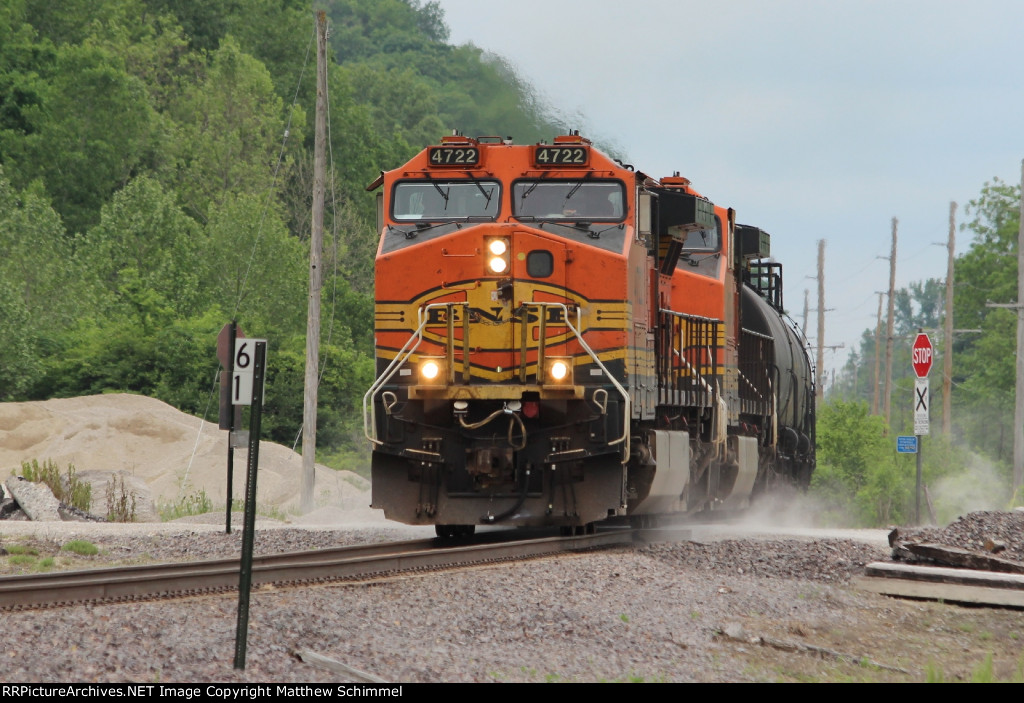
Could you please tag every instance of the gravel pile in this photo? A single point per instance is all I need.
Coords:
(972, 531)
(831, 561)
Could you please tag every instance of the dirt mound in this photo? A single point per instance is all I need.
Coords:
(173, 454)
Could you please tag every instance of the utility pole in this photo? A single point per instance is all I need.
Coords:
(820, 390)
(878, 356)
(806, 294)
(316, 244)
(947, 354)
(887, 398)
(1018, 413)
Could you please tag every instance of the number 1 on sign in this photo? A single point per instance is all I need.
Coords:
(241, 389)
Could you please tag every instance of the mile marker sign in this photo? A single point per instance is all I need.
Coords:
(921, 355)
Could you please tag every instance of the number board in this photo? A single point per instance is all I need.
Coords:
(454, 156)
(242, 380)
(561, 156)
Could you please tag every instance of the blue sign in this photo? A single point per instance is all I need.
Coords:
(906, 445)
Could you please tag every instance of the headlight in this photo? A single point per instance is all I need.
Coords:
(498, 261)
(558, 371)
(431, 371)
(497, 264)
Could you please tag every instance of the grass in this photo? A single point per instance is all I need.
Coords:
(200, 504)
(68, 490)
(194, 504)
(47, 556)
(21, 549)
(81, 547)
(984, 672)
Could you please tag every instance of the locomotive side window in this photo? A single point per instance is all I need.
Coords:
(445, 200)
(698, 240)
(569, 200)
(540, 263)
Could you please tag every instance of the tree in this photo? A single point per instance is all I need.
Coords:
(66, 136)
(232, 129)
(258, 273)
(40, 288)
(143, 258)
(984, 399)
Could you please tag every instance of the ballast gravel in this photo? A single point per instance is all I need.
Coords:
(652, 613)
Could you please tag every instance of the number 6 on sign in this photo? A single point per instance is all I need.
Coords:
(241, 379)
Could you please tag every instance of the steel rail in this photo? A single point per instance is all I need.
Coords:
(352, 562)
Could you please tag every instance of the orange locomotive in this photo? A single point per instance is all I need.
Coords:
(561, 339)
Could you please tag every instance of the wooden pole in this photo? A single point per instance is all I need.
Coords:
(878, 356)
(316, 244)
(820, 390)
(1018, 413)
(947, 354)
(806, 294)
(887, 395)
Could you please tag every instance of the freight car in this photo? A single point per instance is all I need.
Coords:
(562, 339)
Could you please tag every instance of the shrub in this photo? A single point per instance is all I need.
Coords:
(194, 504)
(70, 490)
(120, 501)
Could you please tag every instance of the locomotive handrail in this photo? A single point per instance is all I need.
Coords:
(369, 412)
(412, 344)
(586, 347)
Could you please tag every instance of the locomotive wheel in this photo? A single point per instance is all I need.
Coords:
(454, 531)
(577, 530)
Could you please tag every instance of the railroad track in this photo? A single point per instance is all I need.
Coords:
(351, 562)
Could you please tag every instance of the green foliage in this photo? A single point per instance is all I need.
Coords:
(355, 458)
(144, 257)
(36, 269)
(261, 270)
(68, 489)
(347, 373)
(231, 125)
(856, 475)
(192, 504)
(861, 480)
(983, 356)
(156, 178)
(177, 363)
(81, 547)
(69, 142)
(19, 549)
(121, 503)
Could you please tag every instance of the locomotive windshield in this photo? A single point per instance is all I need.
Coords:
(568, 200)
(445, 200)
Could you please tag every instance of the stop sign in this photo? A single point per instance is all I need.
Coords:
(921, 355)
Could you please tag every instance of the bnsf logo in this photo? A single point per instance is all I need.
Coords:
(496, 315)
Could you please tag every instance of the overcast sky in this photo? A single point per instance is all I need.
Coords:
(813, 119)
